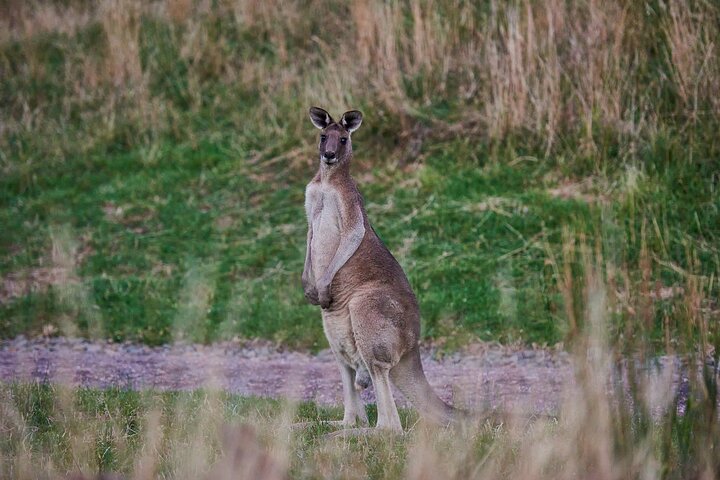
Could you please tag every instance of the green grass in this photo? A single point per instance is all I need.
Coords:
(106, 430)
(190, 223)
(193, 247)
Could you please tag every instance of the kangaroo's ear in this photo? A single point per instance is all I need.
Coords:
(351, 120)
(320, 118)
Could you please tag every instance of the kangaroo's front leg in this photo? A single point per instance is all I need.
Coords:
(308, 279)
(351, 236)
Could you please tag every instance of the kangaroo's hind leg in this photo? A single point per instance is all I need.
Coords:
(376, 322)
(388, 417)
(338, 331)
(354, 407)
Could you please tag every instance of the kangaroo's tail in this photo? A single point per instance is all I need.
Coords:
(408, 376)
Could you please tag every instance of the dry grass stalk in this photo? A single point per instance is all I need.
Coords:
(692, 33)
(121, 21)
(20, 19)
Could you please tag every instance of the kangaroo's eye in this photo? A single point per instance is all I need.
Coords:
(343, 140)
(323, 138)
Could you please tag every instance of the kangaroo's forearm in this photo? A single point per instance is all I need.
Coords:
(307, 274)
(349, 244)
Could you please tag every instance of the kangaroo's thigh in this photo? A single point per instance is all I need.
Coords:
(380, 329)
(341, 338)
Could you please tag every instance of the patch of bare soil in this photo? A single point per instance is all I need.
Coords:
(57, 268)
(482, 376)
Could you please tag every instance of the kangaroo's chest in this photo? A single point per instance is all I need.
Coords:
(323, 210)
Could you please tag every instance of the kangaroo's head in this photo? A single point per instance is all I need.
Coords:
(335, 145)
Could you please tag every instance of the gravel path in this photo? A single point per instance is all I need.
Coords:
(480, 376)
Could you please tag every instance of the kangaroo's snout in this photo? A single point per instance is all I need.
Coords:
(329, 155)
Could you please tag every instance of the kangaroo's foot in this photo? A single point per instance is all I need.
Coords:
(361, 431)
(331, 423)
(311, 424)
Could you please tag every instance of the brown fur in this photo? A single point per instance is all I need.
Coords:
(370, 313)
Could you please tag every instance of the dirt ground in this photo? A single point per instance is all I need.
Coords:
(480, 376)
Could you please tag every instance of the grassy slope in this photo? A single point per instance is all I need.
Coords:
(196, 229)
(198, 217)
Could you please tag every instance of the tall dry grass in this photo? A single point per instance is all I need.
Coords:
(554, 70)
(694, 56)
(121, 23)
(25, 19)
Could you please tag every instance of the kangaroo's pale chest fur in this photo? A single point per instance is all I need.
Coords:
(323, 208)
(323, 212)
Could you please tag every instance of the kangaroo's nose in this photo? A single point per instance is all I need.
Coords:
(329, 155)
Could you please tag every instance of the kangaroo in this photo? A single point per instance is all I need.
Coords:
(370, 314)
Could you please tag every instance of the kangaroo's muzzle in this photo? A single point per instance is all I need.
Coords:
(329, 157)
